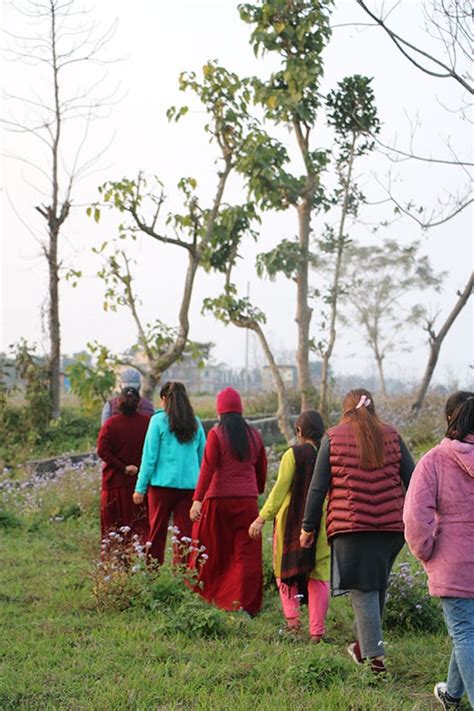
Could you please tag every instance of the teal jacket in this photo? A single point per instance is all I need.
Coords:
(167, 462)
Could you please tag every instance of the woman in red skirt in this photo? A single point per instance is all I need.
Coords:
(120, 446)
(233, 473)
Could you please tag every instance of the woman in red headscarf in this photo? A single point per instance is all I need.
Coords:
(233, 473)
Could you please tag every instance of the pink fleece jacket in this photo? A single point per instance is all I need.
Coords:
(439, 517)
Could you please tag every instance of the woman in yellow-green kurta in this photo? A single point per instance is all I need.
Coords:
(299, 572)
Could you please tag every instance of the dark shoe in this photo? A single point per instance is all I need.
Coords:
(354, 652)
(441, 693)
(378, 666)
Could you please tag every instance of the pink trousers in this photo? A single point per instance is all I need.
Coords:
(318, 601)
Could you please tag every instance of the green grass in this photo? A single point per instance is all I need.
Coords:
(58, 652)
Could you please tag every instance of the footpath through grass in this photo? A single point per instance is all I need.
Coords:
(57, 652)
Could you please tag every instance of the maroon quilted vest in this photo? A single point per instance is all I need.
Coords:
(363, 499)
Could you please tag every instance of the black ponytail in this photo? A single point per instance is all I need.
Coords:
(129, 400)
(239, 434)
(460, 415)
(181, 417)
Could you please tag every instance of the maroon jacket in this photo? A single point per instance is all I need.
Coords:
(120, 443)
(363, 499)
(222, 475)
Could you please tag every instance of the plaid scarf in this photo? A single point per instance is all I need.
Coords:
(297, 562)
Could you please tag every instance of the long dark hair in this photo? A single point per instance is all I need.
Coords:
(367, 427)
(181, 417)
(128, 401)
(311, 426)
(460, 414)
(239, 435)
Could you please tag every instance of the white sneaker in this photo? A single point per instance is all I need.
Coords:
(441, 693)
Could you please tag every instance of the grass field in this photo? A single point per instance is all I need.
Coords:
(58, 651)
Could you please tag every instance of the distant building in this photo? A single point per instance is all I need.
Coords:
(287, 372)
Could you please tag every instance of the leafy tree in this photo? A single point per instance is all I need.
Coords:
(378, 279)
(35, 374)
(60, 38)
(153, 340)
(296, 33)
(353, 115)
(200, 231)
(93, 383)
(230, 308)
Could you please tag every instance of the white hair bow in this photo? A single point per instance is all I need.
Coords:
(364, 400)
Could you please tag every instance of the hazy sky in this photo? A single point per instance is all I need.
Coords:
(157, 41)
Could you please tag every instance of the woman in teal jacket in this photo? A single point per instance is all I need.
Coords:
(169, 469)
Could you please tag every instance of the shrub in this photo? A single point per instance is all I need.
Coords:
(9, 520)
(126, 575)
(409, 605)
(321, 671)
(196, 618)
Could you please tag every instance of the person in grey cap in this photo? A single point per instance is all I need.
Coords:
(129, 378)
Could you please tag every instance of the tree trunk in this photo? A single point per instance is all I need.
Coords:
(54, 326)
(148, 387)
(303, 311)
(436, 341)
(54, 222)
(379, 360)
(282, 413)
(324, 387)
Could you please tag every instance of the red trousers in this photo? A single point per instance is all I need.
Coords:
(162, 502)
(117, 509)
(232, 576)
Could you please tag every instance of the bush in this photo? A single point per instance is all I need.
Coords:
(409, 605)
(322, 671)
(72, 432)
(196, 618)
(9, 520)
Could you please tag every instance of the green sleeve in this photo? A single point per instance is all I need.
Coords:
(281, 487)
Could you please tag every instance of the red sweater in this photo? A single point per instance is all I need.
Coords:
(120, 443)
(222, 475)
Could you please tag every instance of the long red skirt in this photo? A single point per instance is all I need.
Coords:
(117, 509)
(232, 576)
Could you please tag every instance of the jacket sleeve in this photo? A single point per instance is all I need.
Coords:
(150, 454)
(261, 469)
(319, 487)
(277, 495)
(407, 464)
(105, 449)
(208, 465)
(419, 511)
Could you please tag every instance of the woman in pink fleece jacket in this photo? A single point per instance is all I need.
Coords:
(439, 530)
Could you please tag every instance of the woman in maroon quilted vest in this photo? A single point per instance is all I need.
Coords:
(233, 473)
(364, 467)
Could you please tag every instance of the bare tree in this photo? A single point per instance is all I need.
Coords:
(447, 21)
(378, 278)
(435, 340)
(60, 38)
